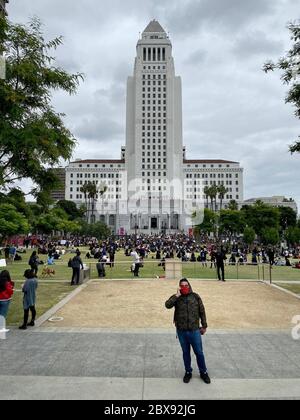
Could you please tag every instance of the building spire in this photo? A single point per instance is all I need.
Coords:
(154, 26)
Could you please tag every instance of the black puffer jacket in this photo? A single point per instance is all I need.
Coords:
(188, 311)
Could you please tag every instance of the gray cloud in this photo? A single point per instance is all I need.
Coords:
(190, 16)
(231, 109)
(196, 57)
(100, 129)
(257, 44)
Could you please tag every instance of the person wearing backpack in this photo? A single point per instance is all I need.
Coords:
(189, 310)
(76, 265)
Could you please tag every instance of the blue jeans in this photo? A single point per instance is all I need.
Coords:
(4, 305)
(188, 339)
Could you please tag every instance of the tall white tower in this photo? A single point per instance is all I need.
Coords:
(154, 145)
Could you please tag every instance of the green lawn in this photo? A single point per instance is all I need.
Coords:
(48, 295)
(295, 288)
(151, 270)
(52, 290)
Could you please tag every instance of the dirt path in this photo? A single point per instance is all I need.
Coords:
(140, 304)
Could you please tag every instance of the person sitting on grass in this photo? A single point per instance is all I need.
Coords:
(50, 260)
(29, 298)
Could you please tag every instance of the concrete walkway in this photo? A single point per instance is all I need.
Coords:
(145, 365)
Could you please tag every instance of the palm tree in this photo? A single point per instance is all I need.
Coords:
(85, 190)
(92, 194)
(233, 205)
(213, 196)
(206, 192)
(102, 190)
(222, 192)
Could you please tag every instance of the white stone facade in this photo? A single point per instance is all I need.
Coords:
(153, 184)
(275, 201)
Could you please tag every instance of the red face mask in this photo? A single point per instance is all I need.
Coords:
(185, 290)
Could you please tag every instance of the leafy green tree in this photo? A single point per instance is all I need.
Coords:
(33, 137)
(12, 222)
(56, 220)
(209, 223)
(261, 216)
(71, 209)
(270, 236)
(16, 197)
(233, 205)
(98, 230)
(287, 217)
(292, 235)
(231, 222)
(249, 235)
(291, 74)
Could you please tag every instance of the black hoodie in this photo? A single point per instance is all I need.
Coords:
(189, 310)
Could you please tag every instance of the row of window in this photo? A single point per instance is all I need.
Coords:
(154, 128)
(211, 175)
(95, 175)
(153, 77)
(153, 82)
(227, 197)
(153, 134)
(154, 89)
(200, 189)
(154, 68)
(154, 96)
(211, 182)
(153, 146)
(154, 167)
(154, 54)
(97, 196)
(154, 153)
(154, 174)
(153, 103)
(219, 183)
(158, 160)
(154, 122)
(153, 115)
(99, 166)
(106, 183)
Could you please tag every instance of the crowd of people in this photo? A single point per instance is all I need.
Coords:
(139, 248)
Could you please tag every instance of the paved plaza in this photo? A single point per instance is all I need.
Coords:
(114, 362)
(97, 364)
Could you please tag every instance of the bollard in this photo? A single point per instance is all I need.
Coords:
(3, 330)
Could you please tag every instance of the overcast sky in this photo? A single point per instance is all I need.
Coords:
(231, 108)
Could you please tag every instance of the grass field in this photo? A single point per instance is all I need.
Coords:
(48, 295)
(52, 290)
(295, 288)
(151, 270)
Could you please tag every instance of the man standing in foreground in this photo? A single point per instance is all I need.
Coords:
(189, 309)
